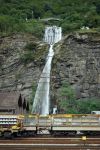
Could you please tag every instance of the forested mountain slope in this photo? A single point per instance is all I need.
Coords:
(25, 15)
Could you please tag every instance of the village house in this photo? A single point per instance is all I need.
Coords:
(12, 103)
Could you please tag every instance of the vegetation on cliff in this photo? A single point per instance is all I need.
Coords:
(33, 52)
(25, 15)
(75, 75)
(68, 103)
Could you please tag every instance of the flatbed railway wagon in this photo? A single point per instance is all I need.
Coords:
(10, 125)
(44, 124)
(64, 124)
(58, 124)
(33, 125)
(29, 125)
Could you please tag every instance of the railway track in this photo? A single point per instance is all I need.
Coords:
(49, 143)
(50, 147)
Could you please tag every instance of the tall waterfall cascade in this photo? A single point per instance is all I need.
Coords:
(41, 102)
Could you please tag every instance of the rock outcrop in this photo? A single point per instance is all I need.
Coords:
(77, 62)
(22, 58)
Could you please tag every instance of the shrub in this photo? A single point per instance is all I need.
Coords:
(35, 27)
(30, 46)
(69, 104)
(27, 57)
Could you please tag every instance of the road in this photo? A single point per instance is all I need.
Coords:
(50, 144)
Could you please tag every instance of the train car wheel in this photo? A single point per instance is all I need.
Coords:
(15, 134)
(24, 134)
(65, 133)
(8, 135)
(31, 133)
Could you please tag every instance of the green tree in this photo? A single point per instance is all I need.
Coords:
(24, 104)
(27, 107)
(20, 101)
(20, 104)
(67, 99)
(88, 105)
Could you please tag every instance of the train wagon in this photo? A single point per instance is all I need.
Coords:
(29, 125)
(71, 124)
(10, 125)
(35, 124)
(58, 124)
(44, 124)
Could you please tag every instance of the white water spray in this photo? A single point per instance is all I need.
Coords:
(41, 101)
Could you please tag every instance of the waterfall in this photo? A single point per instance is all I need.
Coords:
(52, 34)
(41, 101)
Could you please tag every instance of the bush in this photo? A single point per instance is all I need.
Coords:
(35, 27)
(6, 23)
(88, 105)
(27, 57)
(69, 104)
(69, 27)
(30, 46)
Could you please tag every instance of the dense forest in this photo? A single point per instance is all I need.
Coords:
(26, 15)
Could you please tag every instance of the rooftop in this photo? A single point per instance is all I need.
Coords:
(9, 99)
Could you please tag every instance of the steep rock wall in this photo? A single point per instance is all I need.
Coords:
(77, 62)
(22, 58)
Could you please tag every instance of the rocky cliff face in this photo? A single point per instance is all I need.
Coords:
(22, 58)
(77, 62)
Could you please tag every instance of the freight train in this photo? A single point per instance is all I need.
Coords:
(58, 124)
